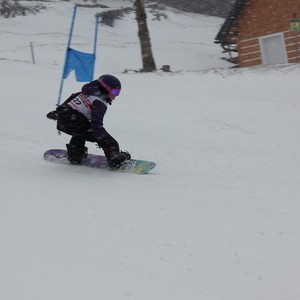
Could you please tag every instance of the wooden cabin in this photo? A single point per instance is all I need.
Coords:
(262, 32)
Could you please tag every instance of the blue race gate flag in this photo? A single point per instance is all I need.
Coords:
(82, 63)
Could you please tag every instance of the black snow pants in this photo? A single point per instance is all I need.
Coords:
(74, 123)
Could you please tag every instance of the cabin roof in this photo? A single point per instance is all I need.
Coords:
(230, 21)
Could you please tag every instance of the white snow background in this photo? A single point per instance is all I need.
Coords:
(217, 219)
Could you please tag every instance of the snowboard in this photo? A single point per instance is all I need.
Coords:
(136, 166)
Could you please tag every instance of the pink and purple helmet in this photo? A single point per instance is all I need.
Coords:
(111, 84)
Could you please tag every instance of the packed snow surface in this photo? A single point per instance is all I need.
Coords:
(219, 216)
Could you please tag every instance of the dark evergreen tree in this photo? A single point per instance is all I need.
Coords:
(10, 8)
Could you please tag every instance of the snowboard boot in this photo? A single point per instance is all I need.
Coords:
(116, 160)
(75, 155)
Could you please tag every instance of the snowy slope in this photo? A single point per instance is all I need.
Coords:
(218, 218)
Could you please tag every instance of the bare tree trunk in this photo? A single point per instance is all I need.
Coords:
(143, 33)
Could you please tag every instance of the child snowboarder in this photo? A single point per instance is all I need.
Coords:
(81, 116)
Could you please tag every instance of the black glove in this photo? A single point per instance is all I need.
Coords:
(52, 115)
(118, 159)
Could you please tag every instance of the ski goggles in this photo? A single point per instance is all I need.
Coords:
(114, 92)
